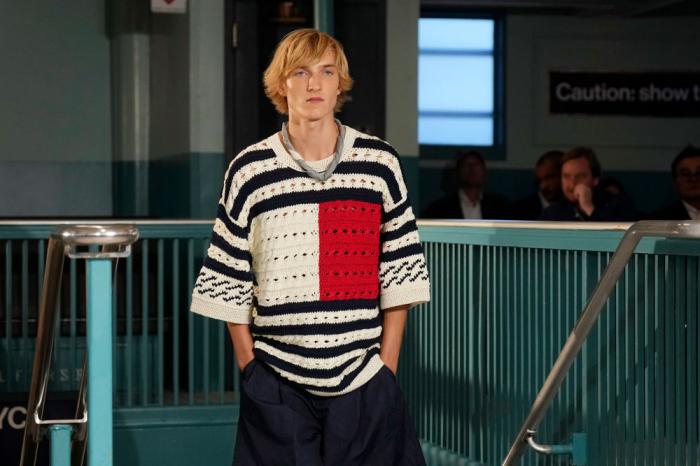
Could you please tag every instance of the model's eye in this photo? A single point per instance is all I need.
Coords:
(299, 73)
(328, 72)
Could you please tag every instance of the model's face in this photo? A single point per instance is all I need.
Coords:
(312, 90)
(575, 172)
(687, 181)
(548, 180)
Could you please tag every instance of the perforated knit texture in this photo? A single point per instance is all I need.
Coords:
(310, 264)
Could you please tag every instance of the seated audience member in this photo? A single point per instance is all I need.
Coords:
(470, 200)
(685, 170)
(548, 181)
(580, 173)
(612, 186)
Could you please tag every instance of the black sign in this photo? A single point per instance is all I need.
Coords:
(13, 415)
(635, 94)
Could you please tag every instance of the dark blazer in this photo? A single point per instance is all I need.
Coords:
(675, 211)
(493, 206)
(607, 209)
(528, 208)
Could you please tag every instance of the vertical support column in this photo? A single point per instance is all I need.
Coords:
(402, 88)
(59, 439)
(99, 332)
(131, 97)
(323, 15)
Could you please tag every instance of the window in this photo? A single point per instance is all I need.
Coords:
(458, 99)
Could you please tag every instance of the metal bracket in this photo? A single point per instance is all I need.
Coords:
(49, 422)
(577, 448)
(72, 252)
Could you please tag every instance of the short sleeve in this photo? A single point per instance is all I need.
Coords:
(224, 287)
(403, 273)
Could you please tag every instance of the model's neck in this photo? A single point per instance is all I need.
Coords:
(314, 140)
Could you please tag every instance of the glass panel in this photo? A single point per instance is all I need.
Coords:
(455, 131)
(455, 83)
(455, 34)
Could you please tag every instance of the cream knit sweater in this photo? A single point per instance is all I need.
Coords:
(311, 264)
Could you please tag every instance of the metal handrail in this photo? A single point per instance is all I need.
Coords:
(618, 262)
(116, 241)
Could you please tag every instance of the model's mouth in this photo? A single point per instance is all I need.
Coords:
(315, 99)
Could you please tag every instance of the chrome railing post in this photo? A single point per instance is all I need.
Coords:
(116, 242)
(42, 353)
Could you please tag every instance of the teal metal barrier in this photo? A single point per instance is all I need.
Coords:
(504, 298)
(164, 355)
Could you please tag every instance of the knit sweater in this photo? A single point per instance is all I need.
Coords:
(309, 264)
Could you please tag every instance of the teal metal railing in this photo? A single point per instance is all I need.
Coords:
(579, 334)
(504, 298)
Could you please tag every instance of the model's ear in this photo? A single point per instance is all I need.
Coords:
(282, 90)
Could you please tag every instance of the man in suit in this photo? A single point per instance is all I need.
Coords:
(685, 170)
(470, 201)
(583, 200)
(548, 182)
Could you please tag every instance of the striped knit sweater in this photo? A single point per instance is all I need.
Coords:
(310, 264)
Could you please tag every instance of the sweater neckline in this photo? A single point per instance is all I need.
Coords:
(286, 160)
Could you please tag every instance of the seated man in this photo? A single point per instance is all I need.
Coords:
(685, 170)
(470, 200)
(580, 172)
(548, 182)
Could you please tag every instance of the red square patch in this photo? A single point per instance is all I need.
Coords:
(349, 250)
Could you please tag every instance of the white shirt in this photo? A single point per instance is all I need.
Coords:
(320, 165)
(469, 208)
(544, 202)
(693, 213)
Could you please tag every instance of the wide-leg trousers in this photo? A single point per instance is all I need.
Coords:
(280, 424)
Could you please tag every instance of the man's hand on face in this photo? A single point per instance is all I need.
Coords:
(584, 198)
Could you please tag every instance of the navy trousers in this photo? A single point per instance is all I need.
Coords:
(281, 424)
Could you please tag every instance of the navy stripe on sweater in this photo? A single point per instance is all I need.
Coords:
(243, 160)
(260, 181)
(228, 248)
(347, 380)
(261, 355)
(318, 353)
(216, 266)
(328, 329)
(316, 306)
(327, 195)
(230, 226)
(373, 169)
(396, 212)
(407, 227)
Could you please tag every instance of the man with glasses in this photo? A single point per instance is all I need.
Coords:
(685, 170)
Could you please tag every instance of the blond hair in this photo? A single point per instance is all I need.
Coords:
(299, 48)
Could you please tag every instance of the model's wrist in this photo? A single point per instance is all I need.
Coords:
(243, 361)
